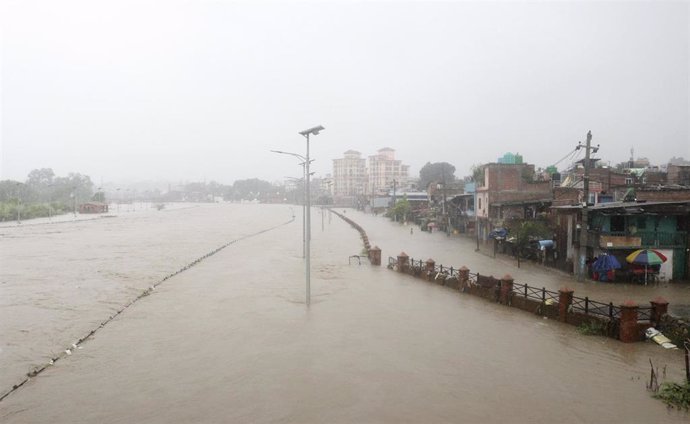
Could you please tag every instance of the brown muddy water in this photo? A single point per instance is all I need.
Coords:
(231, 339)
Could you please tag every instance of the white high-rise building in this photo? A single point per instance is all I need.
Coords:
(384, 171)
(349, 176)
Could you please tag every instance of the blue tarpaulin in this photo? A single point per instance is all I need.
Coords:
(498, 233)
(545, 244)
(605, 263)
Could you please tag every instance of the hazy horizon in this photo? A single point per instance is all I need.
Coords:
(173, 91)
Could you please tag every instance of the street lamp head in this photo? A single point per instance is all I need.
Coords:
(300, 157)
(314, 131)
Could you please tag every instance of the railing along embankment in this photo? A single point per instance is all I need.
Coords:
(625, 322)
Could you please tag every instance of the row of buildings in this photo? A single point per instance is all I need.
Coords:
(628, 209)
(633, 205)
(356, 178)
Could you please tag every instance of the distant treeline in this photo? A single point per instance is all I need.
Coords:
(44, 194)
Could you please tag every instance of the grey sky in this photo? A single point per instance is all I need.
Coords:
(203, 90)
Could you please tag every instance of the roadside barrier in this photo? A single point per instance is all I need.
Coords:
(373, 253)
(625, 322)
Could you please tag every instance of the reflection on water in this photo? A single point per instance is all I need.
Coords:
(231, 339)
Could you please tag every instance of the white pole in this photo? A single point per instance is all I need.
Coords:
(308, 225)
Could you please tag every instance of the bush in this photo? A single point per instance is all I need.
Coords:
(675, 395)
(592, 328)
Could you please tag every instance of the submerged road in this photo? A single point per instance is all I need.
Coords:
(231, 339)
(457, 251)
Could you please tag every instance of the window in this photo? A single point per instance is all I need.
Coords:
(617, 223)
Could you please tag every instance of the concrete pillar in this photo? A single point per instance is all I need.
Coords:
(429, 268)
(464, 278)
(628, 330)
(659, 309)
(506, 289)
(375, 255)
(565, 299)
(403, 262)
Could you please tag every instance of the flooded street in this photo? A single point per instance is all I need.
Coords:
(457, 251)
(231, 339)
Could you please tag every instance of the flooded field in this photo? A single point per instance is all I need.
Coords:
(231, 339)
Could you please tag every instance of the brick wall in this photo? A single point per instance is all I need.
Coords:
(564, 196)
(664, 195)
(678, 174)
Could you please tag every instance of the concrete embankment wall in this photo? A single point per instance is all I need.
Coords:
(374, 254)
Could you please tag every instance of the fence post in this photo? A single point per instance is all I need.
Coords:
(565, 299)
(375, 255)
(629, 332)
(403, 262)
(464, 278)
(430, 267)
(659, 309)
(506, 289)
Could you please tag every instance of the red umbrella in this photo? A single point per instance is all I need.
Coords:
(646, 257)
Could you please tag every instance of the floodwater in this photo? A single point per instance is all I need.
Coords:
(230, 339)
(457, 250)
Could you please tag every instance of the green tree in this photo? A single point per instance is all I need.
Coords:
(401, 210)
(251, 189)
(527, 231)
(478, 174)
(437, 171)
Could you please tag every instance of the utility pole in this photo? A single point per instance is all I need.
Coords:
(395, 184)
(584, 233)
(19, 205)
(446, 218)
(74, 200)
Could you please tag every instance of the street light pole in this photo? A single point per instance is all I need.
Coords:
(304, 202)
(306, 133)
(304, 216)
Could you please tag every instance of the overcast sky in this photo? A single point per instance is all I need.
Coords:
(202, 90)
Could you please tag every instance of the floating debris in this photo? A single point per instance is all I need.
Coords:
(656, 336)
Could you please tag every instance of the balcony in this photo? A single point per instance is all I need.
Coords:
(640, 239)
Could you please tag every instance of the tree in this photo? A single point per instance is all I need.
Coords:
(251, 189)
(527, 231)
(39, 178)
(400, 210)
(478, 174)
(437, 171)
(9, 190)
(74, 187)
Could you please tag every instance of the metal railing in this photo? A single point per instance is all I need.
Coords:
(583, 305)
(591, 307)
(645, 313)
(534, 293)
